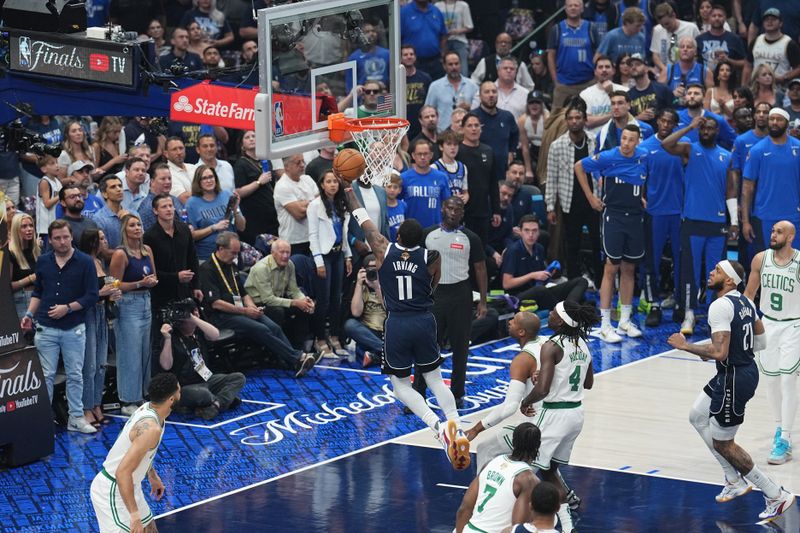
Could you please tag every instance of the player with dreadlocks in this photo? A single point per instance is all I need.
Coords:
(565, 372)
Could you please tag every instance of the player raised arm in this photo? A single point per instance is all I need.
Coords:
(377, 242)
(754, 281)
(682, 150)
(144, 437)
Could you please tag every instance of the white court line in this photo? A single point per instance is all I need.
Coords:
(345, 369)
(448, 485)
(372, 446)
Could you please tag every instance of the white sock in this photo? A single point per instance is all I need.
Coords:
(764, 482)
(565, 518)
(414, 401)
(605, 317)
(788, 405)
(625, 314)
(774, 397)
(444, 396)
(698, 417)
(689, 313)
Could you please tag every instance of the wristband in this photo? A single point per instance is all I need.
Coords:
(360, 215)
(733, 210)
(29, 314)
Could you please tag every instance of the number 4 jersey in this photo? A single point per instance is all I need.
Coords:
(404, 279)
(570, 372)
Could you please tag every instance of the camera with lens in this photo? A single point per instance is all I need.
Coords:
(372, 274)
(177, 311)
(18, 138)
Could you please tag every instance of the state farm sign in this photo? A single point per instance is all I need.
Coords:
(214, 105)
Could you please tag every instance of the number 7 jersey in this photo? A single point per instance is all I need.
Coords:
(404, 279)
(570, 372)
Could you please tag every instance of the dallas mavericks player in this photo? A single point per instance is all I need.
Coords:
(719, 409)
(408, 273)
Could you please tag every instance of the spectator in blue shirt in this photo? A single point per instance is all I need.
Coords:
(180, 54)
(372, 62)
(65, 287)
(424, 187)
(422, 26)
(108, 218)
(498, 129)
(525, 271)
(629, 39)
(450, 91)
(694, 98)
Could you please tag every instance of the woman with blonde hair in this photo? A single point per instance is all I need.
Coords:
(132, 263)
(76, 148)
(108, 160)
(764, 87)
(25, 250)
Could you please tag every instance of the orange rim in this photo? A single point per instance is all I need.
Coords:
(339, 126)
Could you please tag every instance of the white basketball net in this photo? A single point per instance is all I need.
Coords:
(378, 144)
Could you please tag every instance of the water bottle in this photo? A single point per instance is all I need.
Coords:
(264, 165)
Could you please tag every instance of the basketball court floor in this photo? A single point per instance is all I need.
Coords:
(334, 452)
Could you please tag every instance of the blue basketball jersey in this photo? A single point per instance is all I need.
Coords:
(705, 183)
(405, 282)
(664, 178)
(740, 349)
(624, 178)
(776, 170)
(741, 149)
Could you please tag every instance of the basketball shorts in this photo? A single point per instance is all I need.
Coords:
(409, 339)
(623, 236)
(730, 391)
(782, 355)
(112, 515)
(560, 427)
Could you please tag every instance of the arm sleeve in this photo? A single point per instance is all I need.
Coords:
(476, 252)
(595, 163)
(514, 394)
(751, 165)
(720, 314)
(89, 298)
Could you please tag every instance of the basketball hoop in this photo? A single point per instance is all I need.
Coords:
(377, 139)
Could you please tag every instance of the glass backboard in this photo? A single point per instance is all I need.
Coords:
(321, 57)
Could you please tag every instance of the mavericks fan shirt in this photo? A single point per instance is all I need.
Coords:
(624, 178)
(424, 195)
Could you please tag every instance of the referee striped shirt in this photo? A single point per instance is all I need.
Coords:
(459, 249)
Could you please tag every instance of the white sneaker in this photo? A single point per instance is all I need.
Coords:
(129, 409)
(565, 518)
(733, 490)
(668, 302)
(629, 329)
(455, 444)
(778, 505)
(80, 425)
(687, 326)
(591, 287)
(607, 334)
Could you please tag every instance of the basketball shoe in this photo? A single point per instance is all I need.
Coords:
(455, 444)
(781, 452)
(778, 505)
(733, 490)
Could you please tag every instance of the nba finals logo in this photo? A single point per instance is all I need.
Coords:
(404, 256)
(25, 52)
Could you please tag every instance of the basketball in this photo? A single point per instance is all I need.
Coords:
(349, 164)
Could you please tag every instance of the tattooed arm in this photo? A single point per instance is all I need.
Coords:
(144, 436)
(372, 235)
(716, 350)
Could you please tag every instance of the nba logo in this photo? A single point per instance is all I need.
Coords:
(278, 119)
(25, 51)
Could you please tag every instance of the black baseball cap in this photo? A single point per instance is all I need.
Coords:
(535, 96)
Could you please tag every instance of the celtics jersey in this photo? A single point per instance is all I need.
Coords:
(496, 494)
(123, 444)
(780, 287)
(567, 385)
(534, 349)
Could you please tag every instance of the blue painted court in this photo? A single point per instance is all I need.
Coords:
(319, 453)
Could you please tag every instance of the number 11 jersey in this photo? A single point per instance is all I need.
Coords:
(404, 279)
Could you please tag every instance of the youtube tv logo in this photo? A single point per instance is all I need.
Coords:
(98, 62)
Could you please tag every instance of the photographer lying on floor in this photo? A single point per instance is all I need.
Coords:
(206, 392)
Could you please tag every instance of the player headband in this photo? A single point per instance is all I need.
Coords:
(780, 112)
(727, 267)
(568, 320)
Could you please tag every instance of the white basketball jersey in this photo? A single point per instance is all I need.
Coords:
(534, 348)
(567, 385)
(123, 444)
(780, 287)
(496, 498)
(773, 54)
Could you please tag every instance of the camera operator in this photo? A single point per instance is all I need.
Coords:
(183, 354)
(368, 314)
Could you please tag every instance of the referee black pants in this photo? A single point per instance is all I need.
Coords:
(452, 308)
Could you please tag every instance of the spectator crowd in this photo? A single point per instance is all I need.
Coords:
(169, 237)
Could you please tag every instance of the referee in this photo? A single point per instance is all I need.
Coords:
(459, 248)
